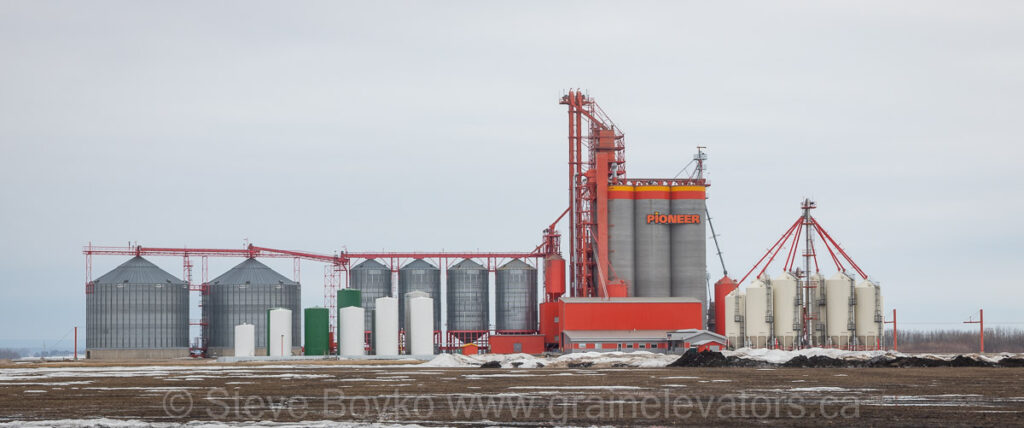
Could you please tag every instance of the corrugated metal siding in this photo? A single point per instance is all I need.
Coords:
(243, 295)
(419, 275)
(137, 306)
(373, 280)
(516, 290)
(468, 297)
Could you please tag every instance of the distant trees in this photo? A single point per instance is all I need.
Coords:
(999, 339)
(10, 354)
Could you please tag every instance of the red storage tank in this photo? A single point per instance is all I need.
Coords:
(554, 276)
(723, 287)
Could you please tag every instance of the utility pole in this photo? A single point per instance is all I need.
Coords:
(895, 336)
(981, 323)
(76, 343)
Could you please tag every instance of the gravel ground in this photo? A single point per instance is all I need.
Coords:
(371, 392)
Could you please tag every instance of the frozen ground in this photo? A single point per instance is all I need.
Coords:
(776, 356)
(454, 390)
(585, 359)
(651, 360)
(135, 423)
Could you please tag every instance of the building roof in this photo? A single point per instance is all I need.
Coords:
(138, 270)
(609, 335)
(251, 271)
(704, 342)
(630, 300)
(695, 336)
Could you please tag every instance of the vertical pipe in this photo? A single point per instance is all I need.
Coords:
(572, 199)
(981, 322)
(895, 336)
(76, 343)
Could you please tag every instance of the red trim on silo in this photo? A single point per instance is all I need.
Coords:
(652, 192)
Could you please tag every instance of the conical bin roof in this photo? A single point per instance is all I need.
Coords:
(251, 271)
(138, 270)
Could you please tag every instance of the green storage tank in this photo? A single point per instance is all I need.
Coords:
(318, 322)
(347, 297)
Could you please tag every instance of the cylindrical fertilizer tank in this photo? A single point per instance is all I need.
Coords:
(554, 276)
(350, 297)
(385, 326)
(318, 322)
(279, 332)
(352, 340)
(419, 275)
(868, 314)
(652, 248)
(420, 336)
(407, 317)
(373, 280)
(242, 295)
(839, 321)
(723, 287)
(621, 241)
(817, 309)
(786, 309)
(734, 311)
(245, 340)
(689, 243)
(515, 305)
(137, 306)
(468, 298)
(757, 324)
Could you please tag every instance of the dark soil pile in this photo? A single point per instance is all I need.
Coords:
(1011, 362)
(692, 358)
(817, 361)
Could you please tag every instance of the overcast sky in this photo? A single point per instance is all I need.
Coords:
(429, 126)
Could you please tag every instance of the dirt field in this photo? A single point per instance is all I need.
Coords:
(406, 394)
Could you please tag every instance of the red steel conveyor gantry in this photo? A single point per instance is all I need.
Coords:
(336, 269)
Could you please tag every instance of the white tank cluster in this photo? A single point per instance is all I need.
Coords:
(385, 334)
(769, 313)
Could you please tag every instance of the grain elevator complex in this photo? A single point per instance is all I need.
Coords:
(634, 277)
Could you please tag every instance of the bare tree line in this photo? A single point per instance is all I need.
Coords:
(998, 339)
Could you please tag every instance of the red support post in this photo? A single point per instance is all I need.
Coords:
(895, 335)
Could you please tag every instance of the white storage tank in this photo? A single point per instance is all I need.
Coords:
(868, 314)
(245, 340)
(816, 307)
(757, 319)
(735, 309)
(405, 320)
(786, 308)
(279, 332)
(839, 298)
(420, 333)
(385, 326)
(352, 322)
